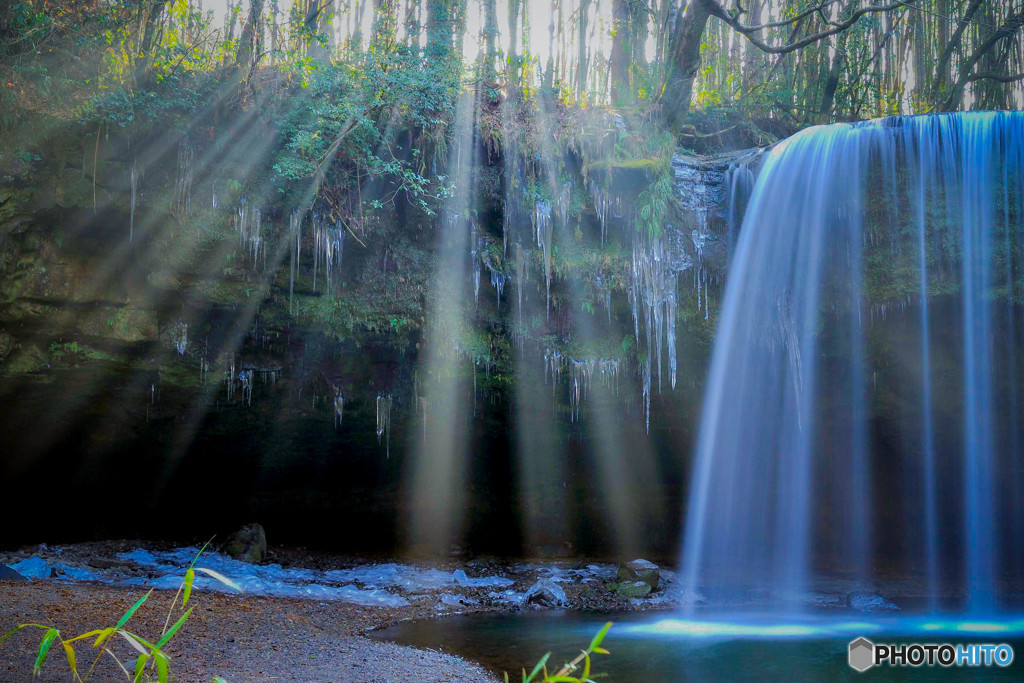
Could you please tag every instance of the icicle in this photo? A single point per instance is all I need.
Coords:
(135, 188)
(474, 258)
(521, 275)
(542, 225)
(181, 342)
(384, 421)
(339, 408)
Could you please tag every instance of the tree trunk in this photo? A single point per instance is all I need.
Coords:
(244, 56)
(684, 56)
(618, 60)
(148, 40)
(440, 29)
(581, 60)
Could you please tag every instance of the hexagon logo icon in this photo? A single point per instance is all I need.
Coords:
(862, 654)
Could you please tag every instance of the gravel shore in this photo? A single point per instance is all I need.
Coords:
(239, 638)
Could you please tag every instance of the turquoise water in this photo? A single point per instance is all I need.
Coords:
(654, 647)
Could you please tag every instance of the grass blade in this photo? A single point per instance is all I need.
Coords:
(134, 608)
(11, 633)
(44, 648)
(537, 669)
(140, 667)
(90, 634)
(161, 667)
(596, 642)
(190, 576)
(174, 629)
(72, 659)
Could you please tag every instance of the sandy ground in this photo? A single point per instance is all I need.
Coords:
(240, 638)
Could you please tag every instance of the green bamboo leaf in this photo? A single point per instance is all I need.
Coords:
(586, 666)
(601, 651)
(11, 633)
(217, 679)
(174, 629)
(90, 634)
(161, 667)
(536, 669)
(104, 634)
(596, 642)
(44, 648)
(562, 679)
(190, 576)
(140, 667)
(134, 608)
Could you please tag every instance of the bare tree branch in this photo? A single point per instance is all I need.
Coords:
(991, 76)
(717, 10)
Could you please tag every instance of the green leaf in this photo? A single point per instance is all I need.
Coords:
(174, 629)
(217, 679)
(536, 669)
(103, 636)
(44, 649)
(11, 633)
(140, 667)
(161, 667)
(134, 608)
(190, 576)
(596, 642)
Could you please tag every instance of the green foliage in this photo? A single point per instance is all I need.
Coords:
(152, 662)
(566, 674)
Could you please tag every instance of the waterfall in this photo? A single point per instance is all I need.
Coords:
(787, 481)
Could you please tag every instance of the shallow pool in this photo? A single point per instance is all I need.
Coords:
(661, 647)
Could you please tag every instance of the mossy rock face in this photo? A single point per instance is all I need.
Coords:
(248, 544)
(125, 323)
(7, 345)
(633, 589)
(27, 358)
(640, 570)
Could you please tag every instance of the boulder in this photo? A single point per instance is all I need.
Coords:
(546, 593)
(639, 570)
(8, 574)
(633, 589)
(248, 544)
(866, 601)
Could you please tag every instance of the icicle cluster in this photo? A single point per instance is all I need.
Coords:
(248, 223)
(328, 249)
(606, 205)
(581, 374)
